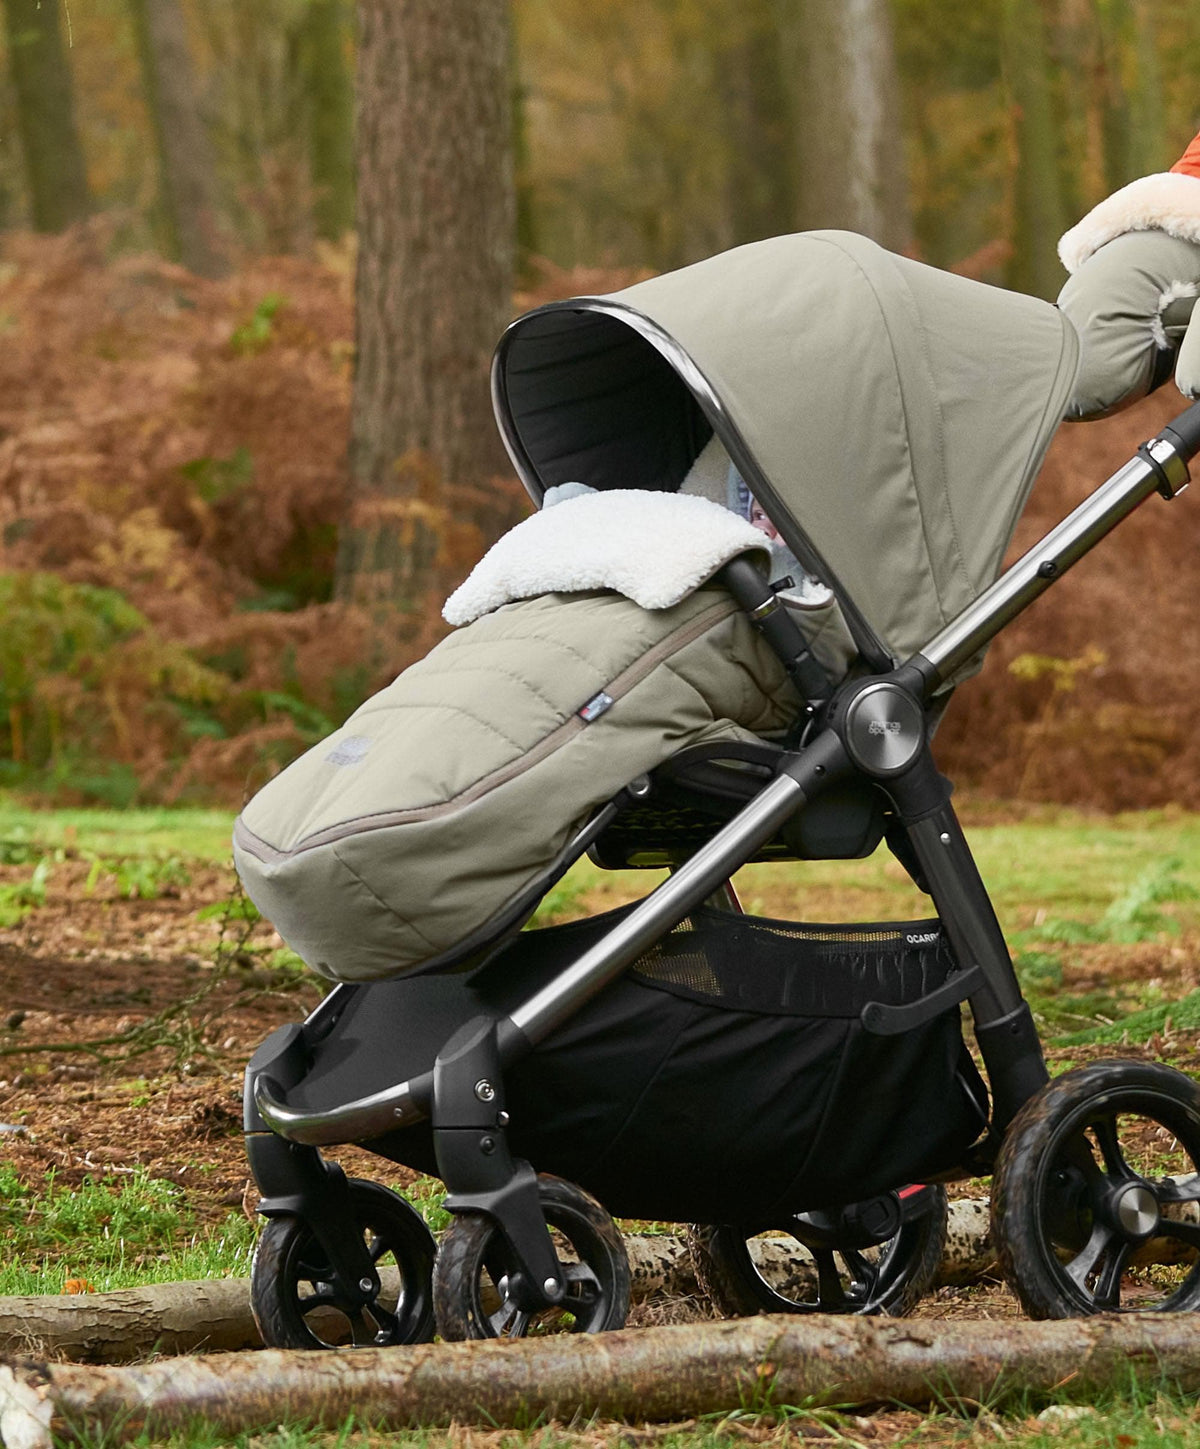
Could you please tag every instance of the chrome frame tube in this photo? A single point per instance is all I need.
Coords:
(354, 1121)
(691, 884)
(1048, 560)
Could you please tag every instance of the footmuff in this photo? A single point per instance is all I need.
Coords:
(442, 796)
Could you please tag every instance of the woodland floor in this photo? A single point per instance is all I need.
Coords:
(92, 964)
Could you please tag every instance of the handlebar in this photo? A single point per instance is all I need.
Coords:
(1183, 433)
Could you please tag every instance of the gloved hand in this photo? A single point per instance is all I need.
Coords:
(1135, 264)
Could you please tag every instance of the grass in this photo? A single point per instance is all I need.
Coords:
(199, 835)
(1069, 889)
(110, 1232)
(1136, 1418)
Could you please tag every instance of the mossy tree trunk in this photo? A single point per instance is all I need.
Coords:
(847, 109)
(761, 185)
(187, 177)
(1039, 213)
(436, 228)
(54, 166)
(329, 94)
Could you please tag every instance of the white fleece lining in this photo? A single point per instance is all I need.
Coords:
(1176, 292)
(1167, 201)
(655, 548)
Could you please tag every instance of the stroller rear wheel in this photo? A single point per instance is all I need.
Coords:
(295, 1299)
(877, 1258)
(1084, 1213)
(471, 1275)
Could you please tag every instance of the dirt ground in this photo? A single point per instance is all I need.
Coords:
(93, 965)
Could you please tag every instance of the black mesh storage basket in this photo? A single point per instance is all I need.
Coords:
(727, 1076)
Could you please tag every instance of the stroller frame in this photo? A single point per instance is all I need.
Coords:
(872, 728)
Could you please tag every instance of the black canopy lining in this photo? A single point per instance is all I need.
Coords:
(585, 399)
(593, 392)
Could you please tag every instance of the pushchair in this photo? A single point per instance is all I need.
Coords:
(676, 1059)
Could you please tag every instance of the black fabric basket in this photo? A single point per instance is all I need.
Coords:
(727, 1077)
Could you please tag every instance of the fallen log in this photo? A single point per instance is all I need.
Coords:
(171, 1318)
(214, 1315)
(648, 1374)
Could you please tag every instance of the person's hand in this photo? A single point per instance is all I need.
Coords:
(1135, 264)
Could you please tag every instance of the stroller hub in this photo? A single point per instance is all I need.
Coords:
(884, 729)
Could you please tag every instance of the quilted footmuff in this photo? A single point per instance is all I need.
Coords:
(446, 793)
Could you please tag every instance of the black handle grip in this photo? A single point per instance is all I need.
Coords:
(1183, 433)
(777, 627)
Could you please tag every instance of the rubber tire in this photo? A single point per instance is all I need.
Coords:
(726, 1273)
(284, 1242)
(474, 1237)
(1031, 1145)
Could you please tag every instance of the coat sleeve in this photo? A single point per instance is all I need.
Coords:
(1134, 261)
(1189, 163)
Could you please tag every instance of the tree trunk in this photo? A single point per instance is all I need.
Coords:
(187, 179)
(1039, 215)
(436, 222)
(852, 165)
(330, 99)
(761, 184)
(41, 77)
(648, 1374)
(1151, 150)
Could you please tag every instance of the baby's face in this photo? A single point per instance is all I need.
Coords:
(760, 520)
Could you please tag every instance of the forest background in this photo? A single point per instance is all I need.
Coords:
(183, 587)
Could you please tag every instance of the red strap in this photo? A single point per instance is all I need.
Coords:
(1189, 162)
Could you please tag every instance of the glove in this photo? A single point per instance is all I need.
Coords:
(1135, 265)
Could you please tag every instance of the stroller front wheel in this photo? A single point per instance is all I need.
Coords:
(1083, 1215)
(470, 1275)
(294, 1295)
(824, 1272)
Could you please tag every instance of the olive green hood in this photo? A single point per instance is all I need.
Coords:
(889, 416)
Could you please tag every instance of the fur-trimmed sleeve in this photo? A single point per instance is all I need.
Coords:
(1168, 201)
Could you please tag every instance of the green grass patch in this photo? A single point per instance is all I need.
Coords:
(110, 1232)
(1139, 1026)
(1127, 877)
(122, 835)
(18, 899)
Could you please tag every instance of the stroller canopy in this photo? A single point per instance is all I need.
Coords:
(888, 416)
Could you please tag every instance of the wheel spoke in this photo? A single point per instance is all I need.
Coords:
(377, 1247)
(1105, 1129)
(830, 1294)
(1081, 1266)
(387, 1325)
(1186, 1232)
(864, 1273)
(1177, 1189)
(1108, 1285)
(511, 1322)
(362, 1330)
(309, 1272)
(583, 1287)
(325, 1297)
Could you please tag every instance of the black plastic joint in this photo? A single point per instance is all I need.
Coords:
(468, 1084)
(921, 791)
(284, 1058)
(1016, 1069)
